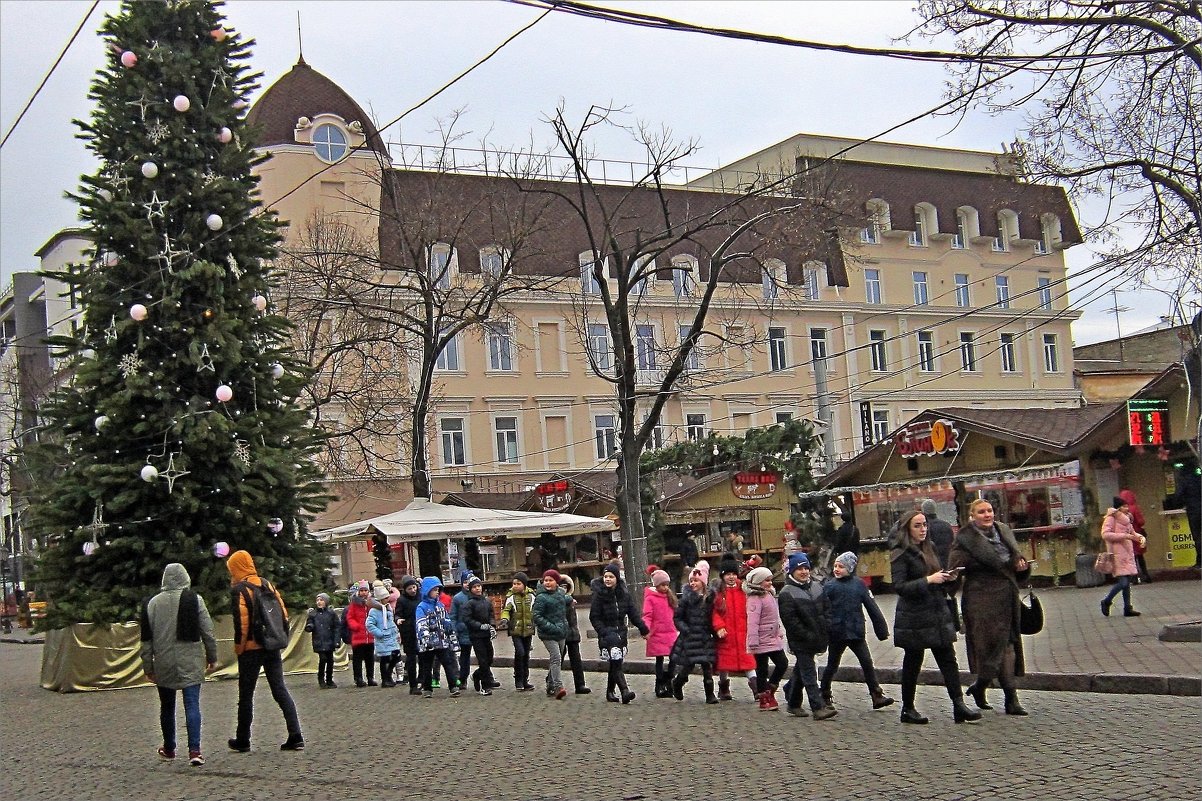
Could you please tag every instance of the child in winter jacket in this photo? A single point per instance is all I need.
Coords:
(612, 606)
(325, 627)
(517, 616)
(405, 609)
(550, 612)
(381, 624)
(763, 635)
(476, 619)
(659, 605)
(805, 613)
(695, 645)
(730, 626)
(356, 635)
(436, 639)
(849, 599)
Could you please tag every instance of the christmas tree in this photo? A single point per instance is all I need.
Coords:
(176, 437)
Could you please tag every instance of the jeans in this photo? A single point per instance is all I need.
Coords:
(521, 660)
(780, 664)
(272, 665)
(945, 657)
(554, 660)
(325, 667)
(860, 649)
(1122, 584)
(428, 659)
(465, 661)
(191, 715)
(805, 676)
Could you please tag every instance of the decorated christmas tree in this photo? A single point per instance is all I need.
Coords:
(175, 436)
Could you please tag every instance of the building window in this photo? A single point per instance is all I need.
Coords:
(656, 440)
(776, 349)
(926, 351)
(448, 357)
(1007, 227)
(492, 262)
(507, 439)
(440, 261)
(329, 142)
(1045, 292)
(1049, 235)
(876, 348)
(644, 265)
(644, 347)
(598, 347)
(605, 428)
(589, 283)
(960, 238)
(920, 289)
(810, 276)
(878, 221)
(694, 426)
(880, 425)
(872, 286)
(818, 349)
(500, 346)
(453, 450)
(773, 279)
(962, 298)
(684, 276)
(968, 352)
(1002, 284)
(693, 362)
(1051, 354)
(925, 223)
(1009, 354)
(783, 417)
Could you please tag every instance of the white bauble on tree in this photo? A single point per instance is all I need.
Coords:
(138, 312)
(181, 103)
(225, 136)
(149, 473)
(260, 302)
(105, 195)
(100, 421)
(214, 222)
(224, 393)
(150, 170)
(110, 259)
(277, 371)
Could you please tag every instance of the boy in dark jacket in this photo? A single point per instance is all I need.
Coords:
(805, 613)
(326, 628)
(849, 598)
(406, 609)
(476, 619)
(551, 624)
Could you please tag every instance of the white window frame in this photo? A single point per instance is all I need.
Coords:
(600, 349)
(819, 349)
(642, 286)
(693, 362)
(324, 148)
(926, 222)
(876, 349)
(1008, 351)
(881, 429)
(963, 290)
(450, 438)
(1051, 353)
(780, 418)
(810, 275)
(778, 348)
(441, 264)
(1044, 284)
(1007, 226)
(774, 276)
(589, 285)
(872, 286)
(968, 352)
(645, 346)
(926, 351)
(499, 340)
(696, 426)
(447, 360)
(878, 221)
(684, 276)
(605, 435)
(507, 439)
(921, 289)
(1001, 286)
(493, 259)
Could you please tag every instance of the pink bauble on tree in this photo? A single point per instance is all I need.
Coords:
(260, 302)
(225, 394)
(129, 59)
(225, 136)
(218, 34)
(138, 312)
(221, 550)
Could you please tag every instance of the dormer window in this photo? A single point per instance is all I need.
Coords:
(329, 143)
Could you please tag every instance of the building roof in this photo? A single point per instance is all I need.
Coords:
(305, 92)
(512, 501)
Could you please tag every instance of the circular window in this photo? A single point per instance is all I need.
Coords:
(329, 142)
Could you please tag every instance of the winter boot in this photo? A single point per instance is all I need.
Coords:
(769, 703)
(977, 691)
(754, 685)
(1013, 707)
(627, 693)
(962, 714)
(678, 685)
(724, 690)
(827, 698)
(825, 713)
(710, 698)
(879, 699)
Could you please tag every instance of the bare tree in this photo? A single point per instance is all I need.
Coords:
(1112, 93)
(727, 253)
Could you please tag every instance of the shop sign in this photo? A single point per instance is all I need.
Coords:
(926, 438)
(553, 496)
(1148, 421)
(754, 486)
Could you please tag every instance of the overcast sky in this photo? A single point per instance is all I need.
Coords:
(732, 97)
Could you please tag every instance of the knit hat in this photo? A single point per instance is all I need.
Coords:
(522, 577)
(928, 507)
(702, 568)
(473, 580)
(848, 560)
(659, 577)
(379, 591)
(409, 581)
(388, 583)
(554, 575)
(322, 595)
(1118, 502)
(728, 564)
(758, 576)
(362, 585)
(798, 560)
(465, 576)
(613, 567)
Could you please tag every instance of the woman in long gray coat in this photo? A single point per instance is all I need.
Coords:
(178, 649)
(993, 566)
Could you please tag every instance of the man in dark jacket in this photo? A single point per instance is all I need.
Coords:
(805, 613)
(939, 532)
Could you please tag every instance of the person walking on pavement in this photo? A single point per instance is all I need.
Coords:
(922, 619)
(695, 646)
(436, 640)
(989, 555)
(572, 644)
(1119, 533)
(458, 606)
(477, 619)
(550, 612)
(611, 609)
(356, 635)
(517, 617)
(178, 649)
(849, 599)
(325, 628)
(939, 532)
(253, 657)
(406, 614)
(381, 624)
(659, 607)
(805, 613)
(730, 626)
(1140, 548)
(763, 635)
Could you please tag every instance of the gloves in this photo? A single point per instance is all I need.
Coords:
(492, 631)
(503, 625)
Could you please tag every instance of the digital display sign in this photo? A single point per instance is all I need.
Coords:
(1148, 422)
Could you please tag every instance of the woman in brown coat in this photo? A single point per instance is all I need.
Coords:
(992, 564)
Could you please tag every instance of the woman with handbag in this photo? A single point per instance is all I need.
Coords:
(1120, 536)
(988, 554)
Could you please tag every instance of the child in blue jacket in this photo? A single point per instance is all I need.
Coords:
(436, 639)
(849, 599)
(381, 625)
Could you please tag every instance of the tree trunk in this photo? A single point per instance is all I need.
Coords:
(630, 510)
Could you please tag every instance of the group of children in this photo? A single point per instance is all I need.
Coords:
(730, 627)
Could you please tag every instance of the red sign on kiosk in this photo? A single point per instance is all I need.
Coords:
(750, 486)
(554, 496)
(1148, 421)
(927, 438)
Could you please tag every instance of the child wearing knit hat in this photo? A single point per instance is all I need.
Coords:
(517, 617)
(326, 628)
(695, 645)
(550, 612)
(763, 635)
(849, 599)
(730, 626)
(659, 605)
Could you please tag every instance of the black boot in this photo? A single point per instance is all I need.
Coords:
(710, 698)
(627, 693)
(910, 715)
(977, 691)
(827, 699)
(962, 714)
(678, 685)
(879, 699)
(1013, 707)
(724, 690)
(1130, 612)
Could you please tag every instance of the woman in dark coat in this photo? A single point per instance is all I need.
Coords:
(695, 644)
(922, 619)
(993, 566)
(609, 612)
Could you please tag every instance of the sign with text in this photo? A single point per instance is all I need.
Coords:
(554, 496)
(1148, 421)
(927, 438)
(751, 486)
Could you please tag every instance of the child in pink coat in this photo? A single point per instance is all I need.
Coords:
(659, 607)
(764, 639)
(1120, 536)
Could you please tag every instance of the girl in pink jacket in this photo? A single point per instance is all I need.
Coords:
(659, 607)
(1120, 536)
(764, 639)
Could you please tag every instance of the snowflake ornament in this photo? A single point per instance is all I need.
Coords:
(242, 451)
(172, 472)
(208, 176)
(157, 133)
(168, 255)
(232, 263)
(129, 364)
(142, 103)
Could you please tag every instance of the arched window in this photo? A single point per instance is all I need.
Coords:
(926, 222)
(642, 272)
(329, 142)
(878, 221)
(493, 260)
(684, 275)
(1007, 229)
(1050, 233)
(968, 226)
(812, 272)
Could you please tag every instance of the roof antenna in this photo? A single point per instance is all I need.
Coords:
(300, 45)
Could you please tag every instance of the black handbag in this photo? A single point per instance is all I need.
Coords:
(1030, 614)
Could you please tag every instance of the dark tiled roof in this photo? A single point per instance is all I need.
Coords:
(511, 501)
(1051, 429)
(305, 92)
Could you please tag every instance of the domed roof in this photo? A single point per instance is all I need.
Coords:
(305, 92)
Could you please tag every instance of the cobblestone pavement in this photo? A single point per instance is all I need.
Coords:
(378, 743)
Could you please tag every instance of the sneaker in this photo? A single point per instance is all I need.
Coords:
(295, 742)
(825, 713)
(583, 691)
(238, 745)
(797, 711)
(195, 759)
(165, 754)
(526, 688)
(435, 684)
(455, 691)
(561, 694)
(484, 691)
(427, 693)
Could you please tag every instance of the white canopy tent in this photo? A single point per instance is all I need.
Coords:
(424, 520)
